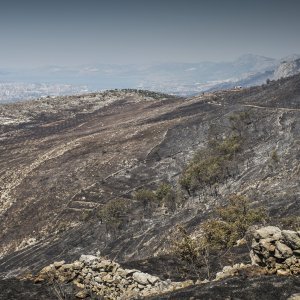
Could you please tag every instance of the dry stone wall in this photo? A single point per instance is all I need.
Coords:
(276, 250)
(92, 274)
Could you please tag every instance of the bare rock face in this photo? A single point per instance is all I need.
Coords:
(288, 68)
(278, 251)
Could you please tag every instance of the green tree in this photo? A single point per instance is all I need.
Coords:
(232, 222)
(113, 214)
(189, 253)
(274, 156)
(219, 234)
(147, 198)
(166, 196)
(239, 122)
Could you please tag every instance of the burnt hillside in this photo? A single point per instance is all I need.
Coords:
(63, 159)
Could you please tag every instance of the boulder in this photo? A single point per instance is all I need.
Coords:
(186, 283)
(82, 294)
(268, 232)
(267, 245)
(47, 269)
(226, 272)
(283, 249)
(77, 265)
(107, 278)
(126, 272)
(144, 278)
(283, 272)
(98, 279)
(255, 259)
(66, 267)
(58, 264)
(140, 277)
(88, 259)
(292, 238)
(39, 279)
(294, 297)
(152, 279)
(290, 261)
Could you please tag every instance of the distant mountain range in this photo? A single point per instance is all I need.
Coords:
(174, 78)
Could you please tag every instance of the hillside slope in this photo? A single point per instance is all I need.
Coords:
(63, 159)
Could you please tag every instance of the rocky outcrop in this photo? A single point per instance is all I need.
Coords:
(277, 250)
(97, 275)
(287, 68)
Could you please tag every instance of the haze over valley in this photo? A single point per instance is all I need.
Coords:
(183, 79)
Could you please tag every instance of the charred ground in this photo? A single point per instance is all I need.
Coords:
(62, 159)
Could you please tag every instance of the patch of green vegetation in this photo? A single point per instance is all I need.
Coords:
(218, 235)
(290, 222)
(167, 196)
(229, 146)
(146, 93)
(146, 196)
(239, 121)
(163, 191)
(231, 223)
(211, 165)
(163, 196)
(274, 156)
(189, 253)
(113, 213)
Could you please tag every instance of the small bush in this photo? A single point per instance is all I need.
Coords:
(166, 196)
(230, 146)
(203, 172)
(113, 213)
(290, 222)
(219, 234)
(274, 156)
(189, 253)
(185, 181)
(212, 165)
(163, 191)
(146, 197)
(232, 222)
(148, 200)
(239, 121)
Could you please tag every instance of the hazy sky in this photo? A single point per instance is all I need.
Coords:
(44, 32)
